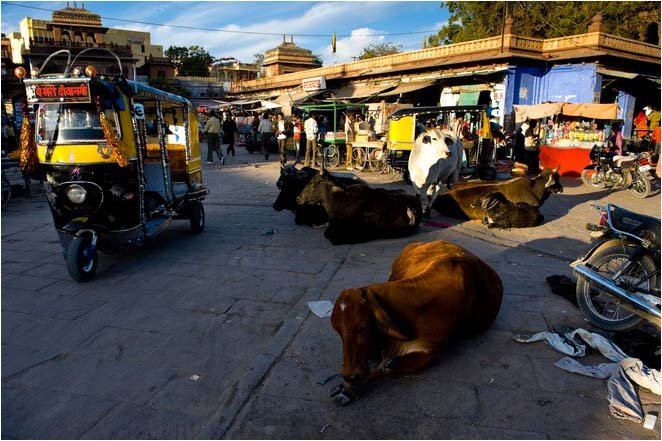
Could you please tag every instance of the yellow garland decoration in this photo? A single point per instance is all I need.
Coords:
(116, 150)
(28, 159)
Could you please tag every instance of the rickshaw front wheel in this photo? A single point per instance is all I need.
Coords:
(82, 258)
(197, 218)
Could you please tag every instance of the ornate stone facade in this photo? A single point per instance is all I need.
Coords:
(287, 58)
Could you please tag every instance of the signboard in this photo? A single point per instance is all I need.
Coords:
(312, 84)
(58, 91)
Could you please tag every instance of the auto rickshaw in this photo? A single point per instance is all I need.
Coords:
(120, 160)
(478, 146)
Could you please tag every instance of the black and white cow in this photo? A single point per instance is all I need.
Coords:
(435, 159)
(358, 213)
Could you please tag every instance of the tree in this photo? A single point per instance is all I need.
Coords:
(379, 50)
(318, 59)
(191, 61)
(258, 61)
(475, 20)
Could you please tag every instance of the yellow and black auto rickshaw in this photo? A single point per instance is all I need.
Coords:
(120, 160)
(472, 125)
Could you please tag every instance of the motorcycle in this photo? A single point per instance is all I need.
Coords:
(618, 279)
(619, 172)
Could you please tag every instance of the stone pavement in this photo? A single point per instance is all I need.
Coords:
(209, 336)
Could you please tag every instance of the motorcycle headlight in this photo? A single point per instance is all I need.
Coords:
(76, 194)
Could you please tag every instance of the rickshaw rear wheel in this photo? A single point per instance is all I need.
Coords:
(197, 218)
(487, 173)
(82, 258)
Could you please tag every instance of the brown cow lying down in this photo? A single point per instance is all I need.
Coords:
(501, 213)
(436, 291)
(359, 213)
(458, 202)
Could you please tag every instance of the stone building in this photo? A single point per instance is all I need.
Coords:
(288, 58)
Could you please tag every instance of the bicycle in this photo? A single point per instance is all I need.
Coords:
(328, 155)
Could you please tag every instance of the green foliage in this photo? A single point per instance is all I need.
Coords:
(379, 50)
(317, 59)
(167, 86)
(258, 61)
(191, 61)
(475, 20)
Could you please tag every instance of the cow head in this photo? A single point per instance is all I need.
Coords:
(551, 179)
(364, 327)
(438, 141)
(291, 182)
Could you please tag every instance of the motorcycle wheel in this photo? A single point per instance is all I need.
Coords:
(641, 186)
(81, 258)
(604, 310)
(590, 177)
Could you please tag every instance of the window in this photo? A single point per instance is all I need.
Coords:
(66, 38)
(77, 123)
(142, 48)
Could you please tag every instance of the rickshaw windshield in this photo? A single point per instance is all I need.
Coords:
(75, 123)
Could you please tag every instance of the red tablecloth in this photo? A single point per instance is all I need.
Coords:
(571, 159)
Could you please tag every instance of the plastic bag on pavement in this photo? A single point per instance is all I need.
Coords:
(321, 308)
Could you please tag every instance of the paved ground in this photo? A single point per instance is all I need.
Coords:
(209, 336)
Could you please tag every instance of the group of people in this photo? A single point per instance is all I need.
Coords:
(304, 134)
(217, 131)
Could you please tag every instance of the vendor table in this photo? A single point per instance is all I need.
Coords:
(571, 159)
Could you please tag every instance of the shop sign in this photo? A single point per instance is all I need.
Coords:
(312, 84)
(59, 91)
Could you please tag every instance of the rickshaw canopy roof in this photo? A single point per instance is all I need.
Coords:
(330, 106)
(152, 92)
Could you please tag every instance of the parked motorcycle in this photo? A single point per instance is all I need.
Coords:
(618, 279)
(619, 172)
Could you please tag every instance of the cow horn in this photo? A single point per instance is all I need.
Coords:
(556, 170)
(383, 319)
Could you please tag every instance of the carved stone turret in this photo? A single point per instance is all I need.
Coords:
(508, 28)
(596, 26)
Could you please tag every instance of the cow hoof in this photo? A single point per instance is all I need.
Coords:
(343, 395)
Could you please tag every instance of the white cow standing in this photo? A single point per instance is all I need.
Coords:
(435, 158)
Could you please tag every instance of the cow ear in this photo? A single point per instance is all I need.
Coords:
(383, 319)
(426, 139)
(449, 140)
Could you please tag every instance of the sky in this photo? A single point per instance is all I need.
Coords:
(356, 24)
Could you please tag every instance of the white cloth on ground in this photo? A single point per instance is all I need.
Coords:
(621, 394)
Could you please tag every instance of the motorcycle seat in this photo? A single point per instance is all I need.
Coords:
(623, 161)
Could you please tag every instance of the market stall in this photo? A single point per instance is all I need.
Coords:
(567, 132)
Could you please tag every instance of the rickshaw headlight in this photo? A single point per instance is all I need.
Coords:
(76, 194)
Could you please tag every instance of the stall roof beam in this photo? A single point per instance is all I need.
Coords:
(408, 87)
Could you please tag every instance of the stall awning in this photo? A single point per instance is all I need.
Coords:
(617, 73)
(586, 110)
(597, 111)
(536, 111)
(296, 96)
(408, 87)
(361, 90)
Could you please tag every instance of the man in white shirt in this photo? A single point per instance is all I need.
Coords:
(310, 127)
(265, 129)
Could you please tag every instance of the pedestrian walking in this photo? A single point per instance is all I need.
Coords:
(265, 129)
(229, 131)
(283, 128)
(311, 130)
(213, 131)
(296, 134)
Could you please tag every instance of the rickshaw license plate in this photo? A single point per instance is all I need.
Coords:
(645, 168)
